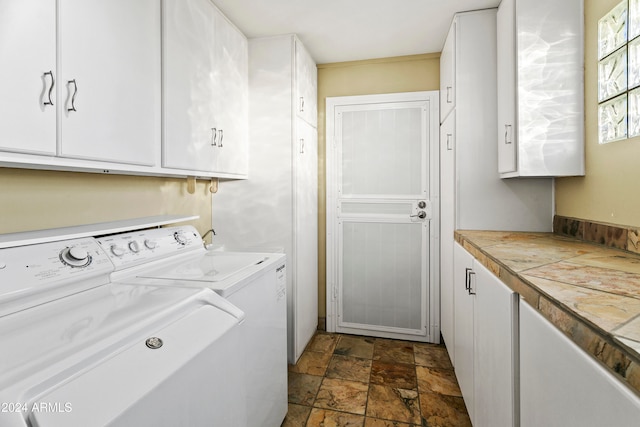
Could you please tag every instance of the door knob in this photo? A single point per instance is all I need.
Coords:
(421, 215)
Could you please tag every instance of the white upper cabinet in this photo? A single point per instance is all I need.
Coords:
(205, 90)
(306, 86)
(448, 74)
(189, 132)
(109, 80)
(231, 97)
(27, 76)
(540, 88)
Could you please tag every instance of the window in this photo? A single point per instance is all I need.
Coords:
(619, 72)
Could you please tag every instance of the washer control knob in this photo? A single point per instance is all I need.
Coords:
(180, 237)
(151, 244)
(117, 250)
(75, 257)
(134, 246)
(77, 253)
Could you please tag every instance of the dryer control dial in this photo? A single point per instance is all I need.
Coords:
(150, 244)
(117, 250)
(181, 237)
(75, 256)
(134, 246)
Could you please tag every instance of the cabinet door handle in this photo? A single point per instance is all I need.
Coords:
(470, 290)
(53, 83)
(301, 145)
(467, 275)
(220, 138)
(449, 146)
(449, 94)
(302, 104)
(214, 137)
(73, 97)
(508, 134)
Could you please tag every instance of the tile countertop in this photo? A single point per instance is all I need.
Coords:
(590, 292)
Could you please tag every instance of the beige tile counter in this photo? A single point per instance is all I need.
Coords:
(590, 292)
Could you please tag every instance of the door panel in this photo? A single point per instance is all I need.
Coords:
(383, 248)
(117, 116)
(27, 54)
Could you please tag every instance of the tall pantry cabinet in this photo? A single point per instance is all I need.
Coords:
(472, 194)
(276, 209)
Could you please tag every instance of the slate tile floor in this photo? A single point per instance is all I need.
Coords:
(353, 381)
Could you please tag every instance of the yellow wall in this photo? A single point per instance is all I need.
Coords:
(388, 75)
(606, 192)
(32, 199)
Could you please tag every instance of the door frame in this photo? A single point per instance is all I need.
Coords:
(332, 261)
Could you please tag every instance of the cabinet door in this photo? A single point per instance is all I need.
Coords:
(495, 362)
(306, 85)
(305, 260)
(28, 58)
(561, 385)
(109, 85)
(506, 53)
(189, 85)
(447, 227)
(231, 97)
(464, 308)
(448, 74)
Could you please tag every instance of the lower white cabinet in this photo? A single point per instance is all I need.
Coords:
(485, 348)
(561, 385)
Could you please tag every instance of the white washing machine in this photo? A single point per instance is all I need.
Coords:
(253, 282)
(78, 351)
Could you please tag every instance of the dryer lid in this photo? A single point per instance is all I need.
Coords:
(74, 331)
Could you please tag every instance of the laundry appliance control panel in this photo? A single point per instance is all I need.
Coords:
(143, 246)
(31, 274)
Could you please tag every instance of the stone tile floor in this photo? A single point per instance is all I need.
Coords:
(353, 381)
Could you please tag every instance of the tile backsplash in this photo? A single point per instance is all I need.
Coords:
(614, 236)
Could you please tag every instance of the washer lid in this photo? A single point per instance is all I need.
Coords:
(132, 388)
(75, 331)
(209, 267)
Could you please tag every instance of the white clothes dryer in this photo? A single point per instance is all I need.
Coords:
(253, 282)
(78, 351)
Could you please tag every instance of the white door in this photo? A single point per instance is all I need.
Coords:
(305, 261)
(231, 100)
(447, 227)
(381, 206)
(189, 137)
(28, 76)
(464, 279)
(109, 80)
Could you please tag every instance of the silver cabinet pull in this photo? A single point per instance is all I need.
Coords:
(53, 83)
(467, 277)
(449, 94)
(221, 138)
(73, 97)
(470, 290)
(301, 145)
(449, 146)
(302, 104)
(508, 137)
(214, 137)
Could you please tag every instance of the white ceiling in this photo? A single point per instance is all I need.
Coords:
(349, 30)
